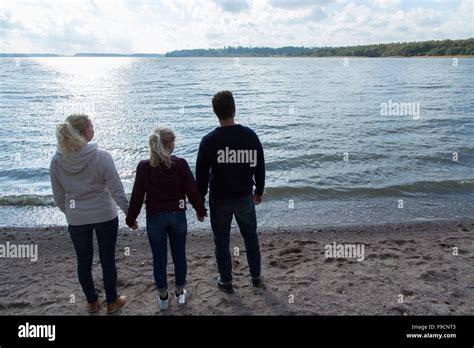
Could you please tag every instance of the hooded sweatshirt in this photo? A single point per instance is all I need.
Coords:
(165, 189)
(86, 184)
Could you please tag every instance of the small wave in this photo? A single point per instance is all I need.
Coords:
(25, 173)
(416, 188)
(308, 192)
(27, 200)
(432, 86)
(447, 121)
(315, 159)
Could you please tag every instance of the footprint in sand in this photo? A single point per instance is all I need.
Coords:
(278, 264)
(389, 256)
(407, 292)
(383, 256)
(432, 275)
(413, 257)
(401, 241)
(16, 305)
(292, 250)
(445, 245)
(305, 242)
(293, 262)
(399, 310)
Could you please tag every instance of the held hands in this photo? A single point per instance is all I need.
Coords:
(135, 225)
(201, 218)
(257, 199)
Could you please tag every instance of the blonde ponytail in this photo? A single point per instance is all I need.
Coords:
(71, 135)
(159, 142)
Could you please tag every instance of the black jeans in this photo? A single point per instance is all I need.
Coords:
(82, 238)
(222, 211)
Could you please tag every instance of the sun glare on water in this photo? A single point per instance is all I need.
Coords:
(84, 81)
(87, 69)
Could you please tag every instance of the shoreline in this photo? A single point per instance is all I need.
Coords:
(223, 57)
(277, 213)
(382, 226)
(414, 260)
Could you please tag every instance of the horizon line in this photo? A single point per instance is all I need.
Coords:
(224, 47)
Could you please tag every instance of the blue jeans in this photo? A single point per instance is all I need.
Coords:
(159, 227)
(82, 239)
(222, 211)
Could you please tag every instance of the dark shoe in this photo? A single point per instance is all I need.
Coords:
(116, 305)
(257, 282)
(226, 287)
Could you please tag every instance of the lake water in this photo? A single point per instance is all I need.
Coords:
(358, 140)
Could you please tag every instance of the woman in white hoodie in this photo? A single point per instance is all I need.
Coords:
(87, 187)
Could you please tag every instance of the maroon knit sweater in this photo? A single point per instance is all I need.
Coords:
(164, 189)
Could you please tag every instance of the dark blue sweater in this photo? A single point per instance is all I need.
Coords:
(230, 161)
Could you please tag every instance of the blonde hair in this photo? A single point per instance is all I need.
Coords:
(71, 134)
(160, 139)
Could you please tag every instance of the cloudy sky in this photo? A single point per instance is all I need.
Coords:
(159, 26)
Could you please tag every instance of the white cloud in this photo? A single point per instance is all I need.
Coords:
(160, 26)
(293, 4)
(233, 5)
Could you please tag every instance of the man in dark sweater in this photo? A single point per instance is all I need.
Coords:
(230, 161)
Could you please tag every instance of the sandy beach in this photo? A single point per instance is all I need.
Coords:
(408, 269)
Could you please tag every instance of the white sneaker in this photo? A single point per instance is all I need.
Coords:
(164, 304)
(181, 298)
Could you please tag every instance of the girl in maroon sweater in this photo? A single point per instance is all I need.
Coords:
(164, 181)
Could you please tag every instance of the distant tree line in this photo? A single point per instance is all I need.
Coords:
(399, 49)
